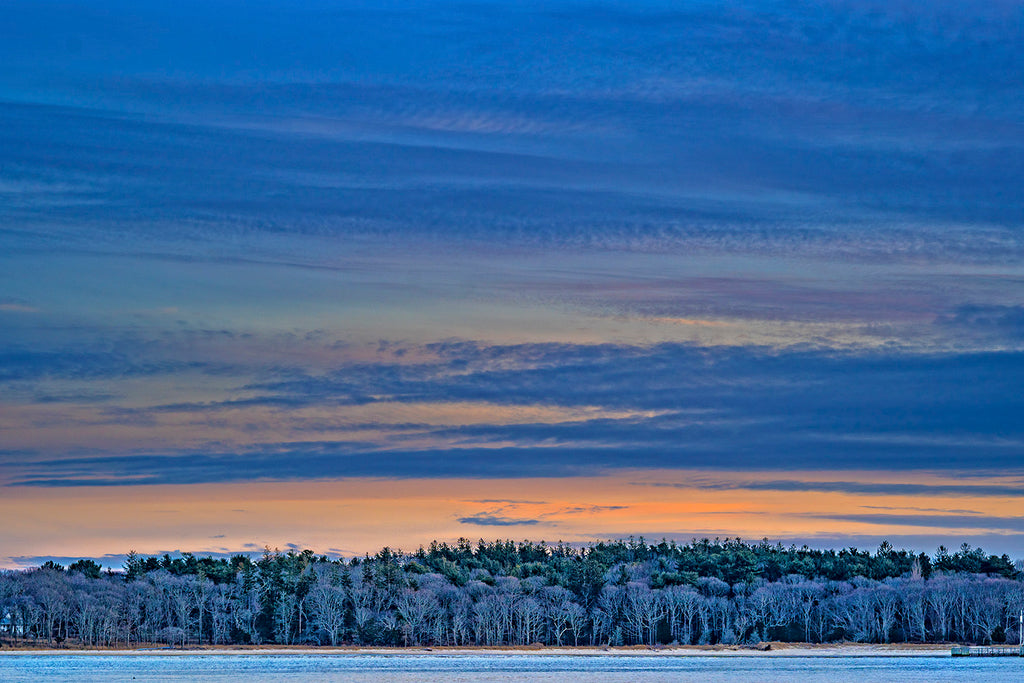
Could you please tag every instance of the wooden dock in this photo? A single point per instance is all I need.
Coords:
(987, 651)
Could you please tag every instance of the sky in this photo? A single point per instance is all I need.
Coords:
(346, 275)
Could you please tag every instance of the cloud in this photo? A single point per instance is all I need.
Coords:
(14, 306)
(918, 509)
(722, 142)
(77, 397)
(501, 516)
(484, 519)
(87, 365)
(1003, 321)
(977, 522)
(854, 487)
(620, 175)
(664, 406)
(586, 509)
(510, 501)
(720, 187)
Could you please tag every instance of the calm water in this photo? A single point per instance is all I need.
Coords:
(497, 668)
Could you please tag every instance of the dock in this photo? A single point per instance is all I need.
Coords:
(987, 651)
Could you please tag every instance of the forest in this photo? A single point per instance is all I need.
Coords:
(626, 592)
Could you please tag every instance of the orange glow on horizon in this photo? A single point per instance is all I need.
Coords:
(357, 516)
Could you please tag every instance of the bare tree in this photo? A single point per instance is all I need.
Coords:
(416, 608)
(327, 606)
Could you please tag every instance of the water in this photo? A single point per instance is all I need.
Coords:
(494, 668)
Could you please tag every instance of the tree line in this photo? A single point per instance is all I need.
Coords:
(519, 593)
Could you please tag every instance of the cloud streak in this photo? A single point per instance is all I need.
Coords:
(556, 410)
(484, 519)
(855, 488)
(970, 522)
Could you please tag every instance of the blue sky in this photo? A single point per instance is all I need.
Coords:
(637, 257)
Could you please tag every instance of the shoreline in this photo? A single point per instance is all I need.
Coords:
(773, 650)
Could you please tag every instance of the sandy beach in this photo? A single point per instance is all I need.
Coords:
(773, 650)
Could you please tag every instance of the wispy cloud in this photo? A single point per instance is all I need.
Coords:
(17, 308)
(1005, 322)
(969, 522)
(546, 410)
(947, 511)
(511, 501)
(865, 488)
(484, 519)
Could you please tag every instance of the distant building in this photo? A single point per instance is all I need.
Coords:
(8, 627)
